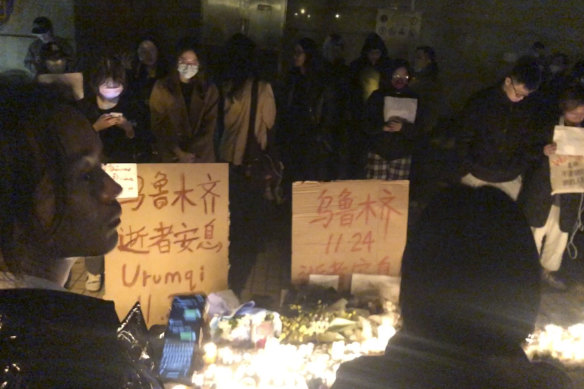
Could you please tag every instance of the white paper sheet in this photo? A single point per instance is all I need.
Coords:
(570, 140)
(386, 286)
(324, 280)
(402, 107)
(126, 175)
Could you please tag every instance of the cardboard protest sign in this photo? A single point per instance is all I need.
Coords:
(346, 227)
(567, 173)
(173, 238)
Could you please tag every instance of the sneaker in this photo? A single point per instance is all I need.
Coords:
(94, 282)
(552, 280)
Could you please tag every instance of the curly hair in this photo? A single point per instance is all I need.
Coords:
(31, 155)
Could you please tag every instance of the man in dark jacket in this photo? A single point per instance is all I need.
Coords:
(496, 142)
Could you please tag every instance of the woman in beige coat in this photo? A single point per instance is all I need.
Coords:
(183, 110)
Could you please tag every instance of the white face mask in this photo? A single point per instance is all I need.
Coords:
(110, 93)
(187, 71)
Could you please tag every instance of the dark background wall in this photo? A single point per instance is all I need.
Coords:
(106, 26)
(475, 40)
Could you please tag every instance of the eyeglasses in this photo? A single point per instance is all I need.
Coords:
(400, 77)
(520, 96)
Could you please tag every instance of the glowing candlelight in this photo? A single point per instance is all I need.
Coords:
(210, 355)
(338, 350)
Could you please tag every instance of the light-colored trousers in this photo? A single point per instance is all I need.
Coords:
(511, 188)
(555, 241)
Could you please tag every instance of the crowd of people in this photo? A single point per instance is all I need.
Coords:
(325, 121)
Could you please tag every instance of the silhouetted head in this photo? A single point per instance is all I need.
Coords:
(470, 272)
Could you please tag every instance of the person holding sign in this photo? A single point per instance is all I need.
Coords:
(495, 143)
(466, 307)
(56, 203)
(391, 124)
(554, 219)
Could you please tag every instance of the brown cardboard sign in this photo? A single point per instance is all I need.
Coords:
(173, 238)
(347, 227)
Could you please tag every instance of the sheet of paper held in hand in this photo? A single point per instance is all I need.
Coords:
(126, 175)
(570, 140)
(567, 164)
(402, 107)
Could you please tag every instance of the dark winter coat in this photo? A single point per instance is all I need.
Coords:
(497, 139)
(389, 145)
(54, 339)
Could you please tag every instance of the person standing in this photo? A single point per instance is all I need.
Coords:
(248, 116)
(183, 109)
(43, 30)
(426, 84)
(499, 124)
(554, 219)
(302, 114)
(335, 112)
(365, 74)
(391, 139)
(147, 66)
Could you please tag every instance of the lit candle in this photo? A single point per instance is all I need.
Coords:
(210, 353)
(338, 350)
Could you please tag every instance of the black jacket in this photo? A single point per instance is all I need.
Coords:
(497, 139)
(54, 339)
(117, 147)
(389, 145)
(418, 363)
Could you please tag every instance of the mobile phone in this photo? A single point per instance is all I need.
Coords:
(182, 338)
(116, 114)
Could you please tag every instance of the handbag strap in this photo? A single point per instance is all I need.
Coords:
(252, 146)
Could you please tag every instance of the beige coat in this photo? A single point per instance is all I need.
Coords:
(173, 125)
(236, 120)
